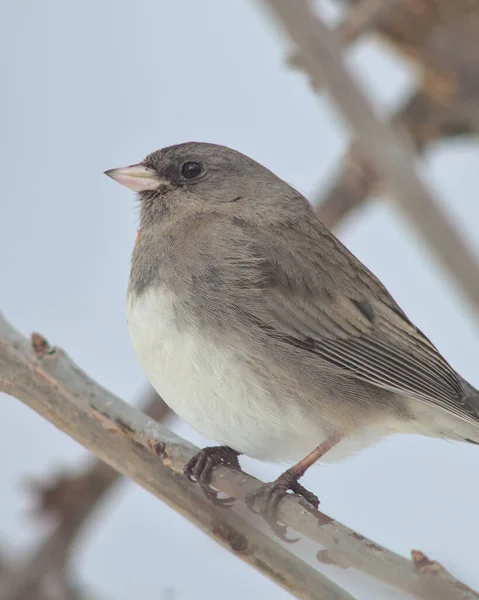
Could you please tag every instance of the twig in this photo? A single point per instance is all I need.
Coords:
(126, 439)
(387, 150)
(154, 457)
(421, 118)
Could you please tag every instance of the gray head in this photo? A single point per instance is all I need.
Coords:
(205, 176)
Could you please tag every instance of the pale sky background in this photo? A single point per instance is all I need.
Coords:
(97, 84)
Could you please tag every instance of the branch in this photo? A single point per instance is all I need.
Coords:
(385, 148)
(429, 115)
(72, 500)
(423, 119)
(129, 441)
(351, 187)
(154, 457)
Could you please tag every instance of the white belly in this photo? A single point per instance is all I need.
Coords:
(209, 388)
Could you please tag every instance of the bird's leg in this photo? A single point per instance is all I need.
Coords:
(268, 496)
(199, 469)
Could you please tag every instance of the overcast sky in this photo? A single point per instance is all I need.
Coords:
(92, 85)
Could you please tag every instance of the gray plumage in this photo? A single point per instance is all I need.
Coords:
(261, 329)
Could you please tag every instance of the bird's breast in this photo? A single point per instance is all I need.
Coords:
(210, 386)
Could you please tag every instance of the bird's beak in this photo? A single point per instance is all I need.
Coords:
(135, 177)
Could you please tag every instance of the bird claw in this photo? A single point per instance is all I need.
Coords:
(268, 497)
(199, 469)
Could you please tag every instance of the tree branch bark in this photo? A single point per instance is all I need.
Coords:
(387, 150)
(154, 457)
(129, 441)
(423, 121)
(72, 501)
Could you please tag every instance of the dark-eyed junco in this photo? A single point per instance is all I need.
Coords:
(260, 329)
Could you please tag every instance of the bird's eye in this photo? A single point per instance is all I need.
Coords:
(191, 169)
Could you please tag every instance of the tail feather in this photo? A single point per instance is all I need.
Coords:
(462, 430)
(445, 424)
(471, 397)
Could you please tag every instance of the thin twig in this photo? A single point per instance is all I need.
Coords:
(386, 149)
(154, 457)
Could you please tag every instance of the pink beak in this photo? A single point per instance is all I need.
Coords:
(136, 177)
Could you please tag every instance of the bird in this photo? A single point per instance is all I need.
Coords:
(260, 329)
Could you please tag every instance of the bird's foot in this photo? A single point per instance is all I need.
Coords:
(200, 467)
(264, 500)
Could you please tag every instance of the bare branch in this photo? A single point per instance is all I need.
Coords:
(445, 106)
(72, 500)
(423, 119)
(351, 187)
(386, 149)
(127, 439)
(154, 457)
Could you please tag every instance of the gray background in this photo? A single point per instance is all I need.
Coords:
(98, 84)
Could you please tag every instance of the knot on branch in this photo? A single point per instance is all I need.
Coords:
(40, 345)
(236, 540)
(424, 565)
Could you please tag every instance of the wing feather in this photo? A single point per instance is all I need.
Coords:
(321, 299)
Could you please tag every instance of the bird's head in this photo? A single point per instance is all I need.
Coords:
(204, 176)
